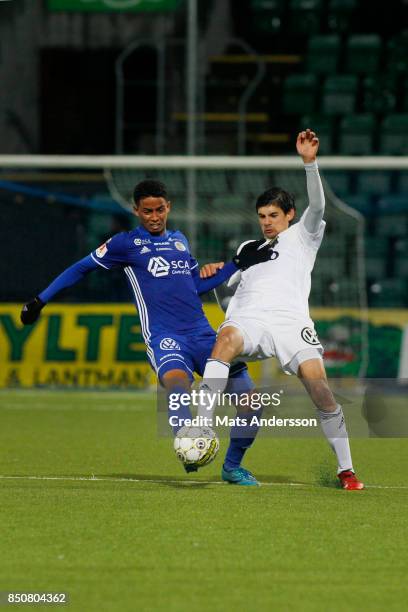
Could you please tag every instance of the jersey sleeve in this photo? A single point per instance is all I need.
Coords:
(112, 253)
(311, 241)
(204, 285)
(69, 277)
(193, 265)
(311, 225)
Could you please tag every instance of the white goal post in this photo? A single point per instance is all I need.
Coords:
(290, 162)
(213, 202)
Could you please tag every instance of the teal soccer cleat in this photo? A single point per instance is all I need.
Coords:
(239, 476)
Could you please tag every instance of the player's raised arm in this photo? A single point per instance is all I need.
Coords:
(307, 145)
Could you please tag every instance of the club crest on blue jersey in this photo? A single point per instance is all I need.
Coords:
(179, 246)
(168, 344)
(103, 249)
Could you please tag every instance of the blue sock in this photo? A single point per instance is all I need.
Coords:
(182, 412)
(241, 438)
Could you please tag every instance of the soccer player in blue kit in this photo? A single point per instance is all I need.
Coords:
(165, 285)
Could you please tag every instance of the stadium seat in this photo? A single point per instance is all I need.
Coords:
(232, 211)
(174, 181)
(338, 181)
(251, 182)
(211, 182)
(299, 94)
(267, 5)
(397, 53)
(394, 135)
(402, 182)
(329, 266)
(340, 14)
(339, 94)
(323, 126)
(373, 182)
(375, 266)
(305, 16)
(401, 266)
(357, 134)
(405, 96)
(379, 93)
(401, 258)
(391, 225)
(360, 202)
(376, 257)
(363, 53)
(388, 292)
(376, 246)
(323, 54)
(267, 15)
(394, 204)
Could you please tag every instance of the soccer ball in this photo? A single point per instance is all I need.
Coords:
(196, 445)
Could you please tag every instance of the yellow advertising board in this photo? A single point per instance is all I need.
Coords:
(101, 346)
(78, 346)
(73, 346)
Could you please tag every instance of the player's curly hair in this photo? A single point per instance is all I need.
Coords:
(149, 188)
(275, 195)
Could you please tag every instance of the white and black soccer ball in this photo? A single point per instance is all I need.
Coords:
(196, 445)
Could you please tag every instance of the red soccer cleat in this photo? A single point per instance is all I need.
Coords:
(349, 481)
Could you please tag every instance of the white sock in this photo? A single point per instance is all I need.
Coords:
(215, 379)
(334, 428)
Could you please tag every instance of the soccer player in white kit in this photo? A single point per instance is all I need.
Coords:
(268, 316)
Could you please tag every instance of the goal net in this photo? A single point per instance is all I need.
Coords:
(223, 215)
(213, 203)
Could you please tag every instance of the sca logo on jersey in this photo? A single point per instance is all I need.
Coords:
(158, 266)
(309, 335)
(168, 344)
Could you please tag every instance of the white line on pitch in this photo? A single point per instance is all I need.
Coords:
(175, 481)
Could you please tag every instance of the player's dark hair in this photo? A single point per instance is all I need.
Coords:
(275, 195)
(149, 188)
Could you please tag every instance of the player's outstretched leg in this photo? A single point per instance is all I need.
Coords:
(313, 376)
(177, 382)
(232, 471)
(242, 435)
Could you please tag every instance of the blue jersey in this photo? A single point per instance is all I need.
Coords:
(165, 283)
(162, 276)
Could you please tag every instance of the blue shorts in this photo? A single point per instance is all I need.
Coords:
(190, 353)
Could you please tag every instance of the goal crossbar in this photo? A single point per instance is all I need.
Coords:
(290, 162)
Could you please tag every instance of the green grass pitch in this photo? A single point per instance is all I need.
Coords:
(137, 533)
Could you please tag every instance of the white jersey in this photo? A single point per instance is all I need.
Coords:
(282, 285)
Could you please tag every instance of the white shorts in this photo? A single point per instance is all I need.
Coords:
(291, 341)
